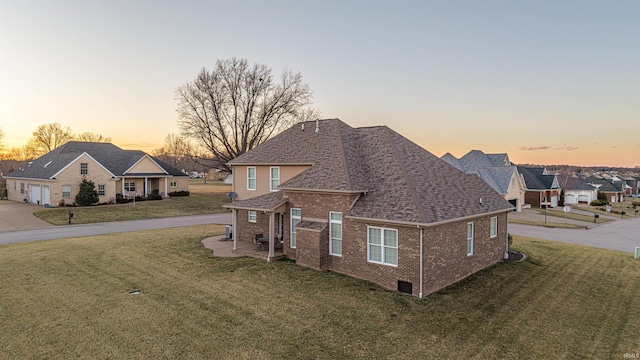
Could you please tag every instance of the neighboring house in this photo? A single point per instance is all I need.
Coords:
(613, 191)
(577, 191)
(368, 203)
(542, 187)
(496, 170)
(55, 177)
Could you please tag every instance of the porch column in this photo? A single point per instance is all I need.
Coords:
(165, 187)
(122, 186)
(234, 229)
(146, 186)
(271, 246)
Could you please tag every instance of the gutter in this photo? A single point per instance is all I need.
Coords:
(429, 224)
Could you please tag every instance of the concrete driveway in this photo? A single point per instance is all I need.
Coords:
(19, 216)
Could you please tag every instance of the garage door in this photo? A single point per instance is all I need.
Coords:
(570, 199)
(34, 194)
(46, 195)
(583, 198)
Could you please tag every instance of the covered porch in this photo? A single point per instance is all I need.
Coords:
(259, 226)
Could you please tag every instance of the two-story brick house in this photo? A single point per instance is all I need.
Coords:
(368, 203)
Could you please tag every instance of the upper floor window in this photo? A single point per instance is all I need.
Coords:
(335, 233)
(494, 226)
(84, 168)
(382, 245)
(101, 190)
(469, 239)
(275, 178)
(251, 178)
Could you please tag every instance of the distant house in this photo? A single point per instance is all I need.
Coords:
(577, 191)
(496, 170)
(542, 187)
(55, 177)
(368, 203)
(614, 191)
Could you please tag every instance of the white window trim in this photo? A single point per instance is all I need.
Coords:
(173, 184)
(87, 168)
(470, 239)
(255, 216)
(493, 225)
(255, 178)
(292, 229)
(331, 221)
(104, 190)
(271, 178)
(62, 190)
(382, 246)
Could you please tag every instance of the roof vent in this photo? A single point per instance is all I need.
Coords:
(302, 126)
(480, 201)
(317, 125)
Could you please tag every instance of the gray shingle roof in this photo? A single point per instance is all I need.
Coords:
(266, 202)
(572, 183)
(113, 158)
(535, 178)
(399, 180)
(495, 169)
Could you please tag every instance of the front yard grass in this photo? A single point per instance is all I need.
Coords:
(549, 224)
(194, 204)
(573, 216)
(70, 298)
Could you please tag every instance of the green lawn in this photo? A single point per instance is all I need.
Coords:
(70, 298)
(572, 216)
(195, 204)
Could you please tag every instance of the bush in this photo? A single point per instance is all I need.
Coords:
(179, 193)
(598, 203)
(154, 197)
(636, 203)
(87, 194)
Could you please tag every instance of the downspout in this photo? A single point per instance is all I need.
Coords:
(506, 248)
(421, 260)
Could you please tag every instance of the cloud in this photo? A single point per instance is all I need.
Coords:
(533, 148)
(568, 147)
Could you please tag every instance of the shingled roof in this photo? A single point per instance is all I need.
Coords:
(495, 169)
(536, 179)
(113, 158)
(399, 180)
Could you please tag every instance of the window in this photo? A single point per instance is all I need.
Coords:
(469, 239)
(101, 191)
(275, 178)
(252, 216)
(130, 186)
(173, 184)
(382, 245)
(66, 191)
(21, 188)
(251, 178)
(494, 226)
(335, 233)
(84, 168)
(296, 217)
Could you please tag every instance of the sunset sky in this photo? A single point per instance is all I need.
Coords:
(548, 82)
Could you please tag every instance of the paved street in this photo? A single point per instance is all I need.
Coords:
(623, 235)
(58, 232)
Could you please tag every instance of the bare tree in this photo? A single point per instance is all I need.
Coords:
(49, 136)
(237, 106)
(2, 146)
(177, 151)
(93, 137)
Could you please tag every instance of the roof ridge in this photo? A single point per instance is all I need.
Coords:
(344, 157)
(410, 186)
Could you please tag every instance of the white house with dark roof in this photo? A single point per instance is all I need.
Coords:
(496, 170)
(55, 177)
(368, 203)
